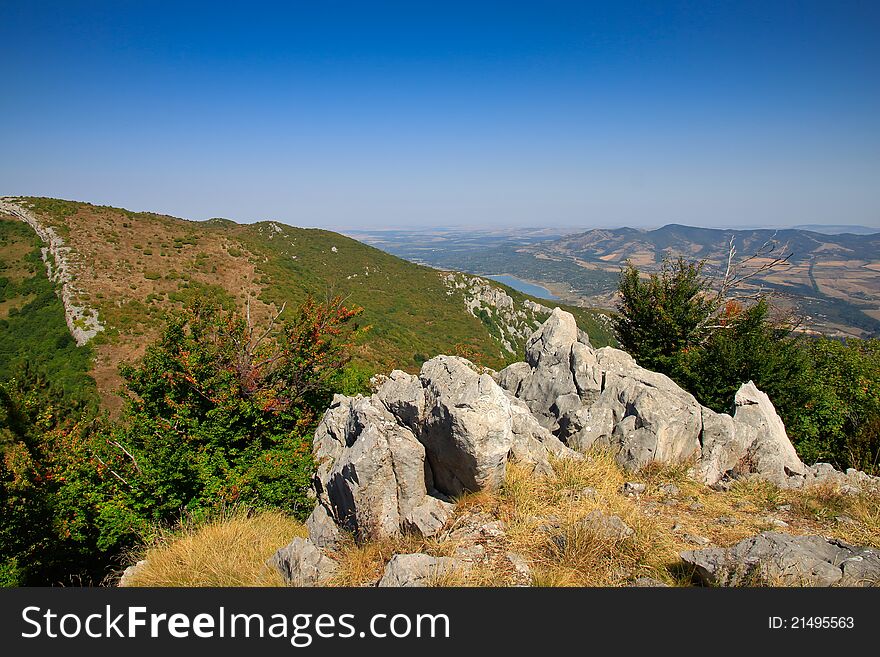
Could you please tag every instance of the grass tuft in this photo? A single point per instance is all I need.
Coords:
(229, 549)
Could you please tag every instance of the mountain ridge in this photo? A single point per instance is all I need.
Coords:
(130, 268)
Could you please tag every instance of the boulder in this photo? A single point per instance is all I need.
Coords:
(770, 452)
(403, 395)
(371, 472)
(773, 558)
(302, 563)
(416, 570)
(468, 428)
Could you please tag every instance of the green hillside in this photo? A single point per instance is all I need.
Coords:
(132, 267)
(34, 340)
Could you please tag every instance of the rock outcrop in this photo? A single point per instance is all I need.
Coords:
(392, 462)
(602, 398)
(512, 322)
(82, 321)
(371, 477)
(389, 463)
(406, 570)
(779, 559)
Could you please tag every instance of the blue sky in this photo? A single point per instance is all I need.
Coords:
(414, 114)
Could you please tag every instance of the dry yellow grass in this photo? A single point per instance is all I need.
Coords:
(229, 550)
(542, 519)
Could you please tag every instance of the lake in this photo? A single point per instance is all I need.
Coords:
(522, 286)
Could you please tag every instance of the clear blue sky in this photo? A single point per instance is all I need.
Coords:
(376, 114)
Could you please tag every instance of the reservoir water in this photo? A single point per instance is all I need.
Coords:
(522, 286)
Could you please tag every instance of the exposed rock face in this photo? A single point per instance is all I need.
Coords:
(468, 426)
(389, 462)
(781, 559)
(403, 395)
(82, 321)
(371, 472)
(471, 427)
(416, 569)
(770, 452)
(484, 299)
(602, 398)
(323, 531)
(548, 375)
(302, 563)
(722, 447)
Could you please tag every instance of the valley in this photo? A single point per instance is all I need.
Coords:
(831, 282)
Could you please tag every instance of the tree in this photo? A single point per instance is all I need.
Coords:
(661, 317)
(842, 422)
(826, 391)
(221, 412)
(748, 346)
(218, 412)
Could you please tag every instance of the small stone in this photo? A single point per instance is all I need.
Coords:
(473, 553)
(776, 522)
(549, 524)
(784, 507)
(633, 488)
(521, 566)
(584, 494)
(608, 526)
(726, 520)
(407, 570)
(131, 571)
(696, 506)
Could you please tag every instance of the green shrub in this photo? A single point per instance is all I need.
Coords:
(827, 392)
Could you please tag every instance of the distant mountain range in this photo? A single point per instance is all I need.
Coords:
(832, 229)
(832, 280)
